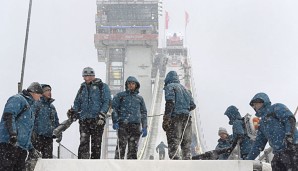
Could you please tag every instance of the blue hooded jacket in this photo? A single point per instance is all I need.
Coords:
(46, 118)
(274, 125)
(239, 129)
(92, 99)
(22, 120)
(128, 106)
(176, 93)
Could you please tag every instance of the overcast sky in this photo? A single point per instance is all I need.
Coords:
(238, 48)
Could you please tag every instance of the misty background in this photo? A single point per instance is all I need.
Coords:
(237, 47)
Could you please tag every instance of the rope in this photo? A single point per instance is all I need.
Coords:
(118, 145)
(181, 137)
(154, 115)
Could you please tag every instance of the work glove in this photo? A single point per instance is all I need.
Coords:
(115, 126)
(144, 132)
(208, 154)
(289, 138)
(229, 150)
(34, 154)
(13, 139)
(101, 119)
(71, 114)
(33, 136)
(166, 122)
(59, 138)
(289, 141)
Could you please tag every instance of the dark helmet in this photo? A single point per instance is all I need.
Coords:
(88, 71)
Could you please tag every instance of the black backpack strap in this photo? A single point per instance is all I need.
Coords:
(22, 111)
(99, 85)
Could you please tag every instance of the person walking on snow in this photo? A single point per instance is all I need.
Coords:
(278, 127)
(129, 118)
(161, 150)
(91, 105)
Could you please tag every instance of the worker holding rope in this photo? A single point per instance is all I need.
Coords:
(177, 119)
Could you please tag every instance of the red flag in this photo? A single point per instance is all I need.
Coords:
(167, 20)
(186, 18)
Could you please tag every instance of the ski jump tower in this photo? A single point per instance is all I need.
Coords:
(126, 40)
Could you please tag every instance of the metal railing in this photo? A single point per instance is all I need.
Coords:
(65, 153)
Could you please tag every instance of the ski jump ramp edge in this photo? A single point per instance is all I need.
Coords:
(143, 165)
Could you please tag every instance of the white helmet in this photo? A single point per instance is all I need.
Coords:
(88, 71)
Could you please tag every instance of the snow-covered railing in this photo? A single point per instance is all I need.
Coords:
(144, 143)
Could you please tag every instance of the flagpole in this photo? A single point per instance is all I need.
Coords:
(186, 22)
(185, 35)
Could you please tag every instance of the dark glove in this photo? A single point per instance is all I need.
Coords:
(34, 154)
(144, 132)
(71, 114)
(229, 150)
(59, 138)
(115, 126)
(166, 122)
(208, 154)
(289, 139)
(13, 139)
(101, 119)
(33, 137)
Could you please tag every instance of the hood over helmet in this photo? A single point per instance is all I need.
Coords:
(233, 114)
(261, 97)
(172, 77)
(132, 79)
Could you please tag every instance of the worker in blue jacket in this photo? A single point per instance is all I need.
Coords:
(240, 135)
(16, 127)
(129, 118)
(177, 117)
(278, 127)
(91, 106)
(46, 120)
(225, 141)
(161, 150)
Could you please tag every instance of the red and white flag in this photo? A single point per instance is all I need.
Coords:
(186, 18)
(167, 19)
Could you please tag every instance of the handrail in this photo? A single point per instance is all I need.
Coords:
(200, 134)
(156, 85)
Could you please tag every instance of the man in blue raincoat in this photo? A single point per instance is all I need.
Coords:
(177, 119)
(46, 120)
(91, 105)
(16, 128)
(129, 119)
(225, 141)
(277, 126)
(161, 150)
(239, 132)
